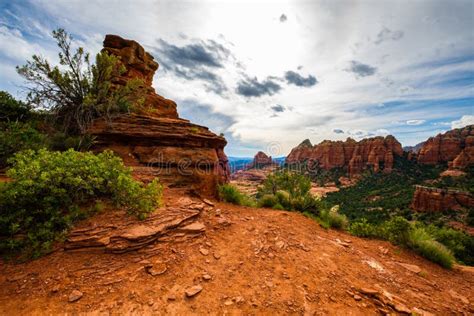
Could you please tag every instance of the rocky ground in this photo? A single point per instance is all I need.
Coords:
(216, 258)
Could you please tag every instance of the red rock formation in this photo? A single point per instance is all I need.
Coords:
(377, 152)
(426, 199)
(455, 147)
(260, 160)
(139, 65)
(154, 140)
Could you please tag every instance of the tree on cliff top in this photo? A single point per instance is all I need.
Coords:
(76, 91)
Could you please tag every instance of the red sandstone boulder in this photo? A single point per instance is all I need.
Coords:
(376, 152)
(153, 139)
(455, 147)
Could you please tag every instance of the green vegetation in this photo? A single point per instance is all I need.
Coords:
(51, 190)
(414, 236)
(424, 244)
(286, 190)
(76, 91)
(231, 194)
(332, 219)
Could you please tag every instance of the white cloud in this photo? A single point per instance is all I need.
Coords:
(414, 58)
(415, 122)
(465, 120)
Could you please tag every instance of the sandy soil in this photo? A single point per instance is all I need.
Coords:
(249, 261)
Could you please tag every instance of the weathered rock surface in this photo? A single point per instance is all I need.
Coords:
(154, 140)
(376, 152)
(426, 199)
(121, 235)
(455, 147)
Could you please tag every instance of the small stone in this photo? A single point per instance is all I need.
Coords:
(239, 299)
(206, 277)
(193, 290)
(208, 244)
(150, 303)
(75, 296)
(357, 297)
(156, 270)
(208, 261)
(368, 291)
(208, 202)
(271, 255)
(204, 251)
(401, 308)
(218, 212)
(55, 289)
(228, 303)
(172, 297)
(217, 255)
(280, 244)
(411, 267)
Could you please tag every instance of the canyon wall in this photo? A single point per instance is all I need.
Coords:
(455, 148)
(377, 153)
(153, 140)
(427, 199)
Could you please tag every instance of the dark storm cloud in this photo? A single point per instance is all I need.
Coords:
(338, 131)
(195, 61)
(283, 18)
(361, 70)
(203, 53)
(278, 108)
(387, 34)
(296, 79)
(251, 87)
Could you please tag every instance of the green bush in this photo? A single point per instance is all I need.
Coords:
(363, 228)
(51, 190)
(458, 242)
(332, 218)
(17, 136)
(12, 110)
(231, 194)
(268, 200)
(396, 230)
(290, 189)
(420, 241)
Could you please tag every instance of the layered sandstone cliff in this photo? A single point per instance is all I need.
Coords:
(455, 148)
(426, 199)
(153, 139)
(377, 153)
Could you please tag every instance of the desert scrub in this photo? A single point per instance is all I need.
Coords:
(287, 190)
(50, 190)
(420, 241)
(231, 194)
(332, 219)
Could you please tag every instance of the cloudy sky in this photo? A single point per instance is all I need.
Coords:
(270, 74)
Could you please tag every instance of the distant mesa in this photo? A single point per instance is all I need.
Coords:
(454, 148)
(153, 139)
(377, 153)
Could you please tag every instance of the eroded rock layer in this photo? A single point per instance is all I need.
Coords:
(154, 140)
(119, 236)
(455, 148)
(428, 199)
(377, 153)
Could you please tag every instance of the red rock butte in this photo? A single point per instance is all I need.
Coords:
(153, 140)
(455, 147)
(377, 153)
